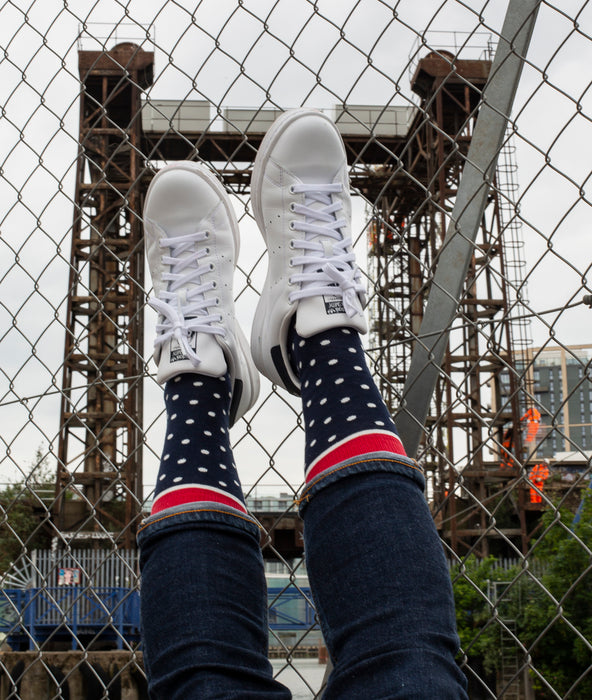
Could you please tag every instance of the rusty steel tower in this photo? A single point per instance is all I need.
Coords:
(408, 163)
(413, 197)
(100, 447)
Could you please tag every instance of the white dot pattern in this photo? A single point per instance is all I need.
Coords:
(198, 448)
(352, 404)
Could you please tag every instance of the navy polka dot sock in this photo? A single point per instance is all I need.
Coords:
(344, 414)
(197, 463)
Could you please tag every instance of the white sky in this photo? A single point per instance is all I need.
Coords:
(222, 48)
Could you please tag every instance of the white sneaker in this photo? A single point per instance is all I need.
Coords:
(301, 201)
(192, 242)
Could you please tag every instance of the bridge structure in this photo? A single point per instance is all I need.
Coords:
(405, 160)
(77, 615)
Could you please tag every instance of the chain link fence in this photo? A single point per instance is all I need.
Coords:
(95, 97)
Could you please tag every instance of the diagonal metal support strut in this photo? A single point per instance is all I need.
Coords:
(459, 243)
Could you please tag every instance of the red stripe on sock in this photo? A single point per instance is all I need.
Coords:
(355, 447)
(190, 494)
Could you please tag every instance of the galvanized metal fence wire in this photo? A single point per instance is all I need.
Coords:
(95, 98)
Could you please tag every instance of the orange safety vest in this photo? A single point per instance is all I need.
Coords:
(538, 475)
(533, 419)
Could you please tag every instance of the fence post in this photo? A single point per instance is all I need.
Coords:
(458, 247)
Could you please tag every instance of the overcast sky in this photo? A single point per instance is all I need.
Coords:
(260, 53)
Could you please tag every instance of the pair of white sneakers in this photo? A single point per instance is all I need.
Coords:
(301, 202)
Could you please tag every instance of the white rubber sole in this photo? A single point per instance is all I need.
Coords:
(250, 375)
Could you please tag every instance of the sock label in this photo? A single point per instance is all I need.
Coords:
(177, 354)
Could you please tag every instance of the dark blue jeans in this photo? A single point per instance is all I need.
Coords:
(378, 574)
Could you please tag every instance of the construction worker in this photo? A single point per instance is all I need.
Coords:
(537, 476)
(533, 421)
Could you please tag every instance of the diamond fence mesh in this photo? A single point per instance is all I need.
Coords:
(95, 98)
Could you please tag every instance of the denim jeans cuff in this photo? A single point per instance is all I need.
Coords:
(374, 462)
(190, 514)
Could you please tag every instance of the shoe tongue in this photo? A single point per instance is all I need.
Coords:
(325, 311)
(327, 241)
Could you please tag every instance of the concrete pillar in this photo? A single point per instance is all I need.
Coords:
(35, 681)
(129, 690)
(71, 669)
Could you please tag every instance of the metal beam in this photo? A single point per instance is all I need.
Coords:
(459, 243)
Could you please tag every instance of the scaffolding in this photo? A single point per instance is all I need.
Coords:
(414, 196)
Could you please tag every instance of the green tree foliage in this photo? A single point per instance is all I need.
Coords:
(548, 600)
(483, 594)
(557, 617)
(23, 512)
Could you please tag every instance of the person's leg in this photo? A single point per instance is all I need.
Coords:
(382, 589)
(203, 589)
(375, 562)
(204, 607)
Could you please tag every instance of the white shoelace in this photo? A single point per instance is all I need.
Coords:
(328, 265)
(188, 311)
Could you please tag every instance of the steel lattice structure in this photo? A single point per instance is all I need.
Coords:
(91, 111)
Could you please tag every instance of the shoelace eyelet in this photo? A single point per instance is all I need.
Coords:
(212, 266)
(292, 206)
(292, 189)
(292, 225)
